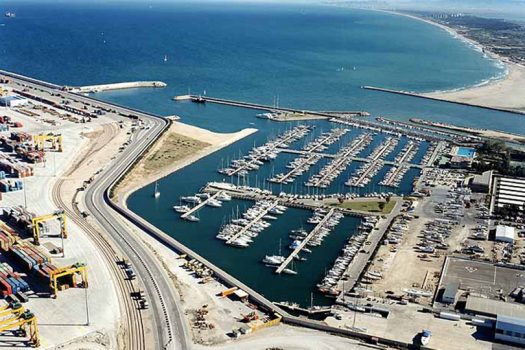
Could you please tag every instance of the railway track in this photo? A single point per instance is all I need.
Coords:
(134, 330)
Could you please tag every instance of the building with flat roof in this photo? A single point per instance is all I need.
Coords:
(450, 292)
(505, 234)
(493, 308)
(459, 162)
(510, 329)
(481, 183)
(13, 101)
(508, 191)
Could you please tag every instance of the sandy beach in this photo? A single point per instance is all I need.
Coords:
(507, 92)
(203, 143)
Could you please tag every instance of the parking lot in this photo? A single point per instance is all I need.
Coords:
(481, 277)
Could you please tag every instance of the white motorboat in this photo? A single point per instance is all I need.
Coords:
(192, 199)
(192, 218)
(181, 208)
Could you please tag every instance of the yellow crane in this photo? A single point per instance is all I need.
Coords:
(55, 140)
(37, 221)
(72, 270)
(11, 309)
(23, 320)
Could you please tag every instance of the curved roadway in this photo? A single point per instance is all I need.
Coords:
(167, 321)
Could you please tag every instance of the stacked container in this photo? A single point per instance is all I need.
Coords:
(10, 281)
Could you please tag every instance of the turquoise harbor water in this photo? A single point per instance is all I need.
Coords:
(304, 54)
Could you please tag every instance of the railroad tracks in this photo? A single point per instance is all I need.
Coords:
(134, 330)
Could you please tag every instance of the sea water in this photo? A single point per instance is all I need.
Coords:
(302, 56)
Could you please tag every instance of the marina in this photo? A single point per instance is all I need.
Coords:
(297, 153)
(266, 152)
(341, 160)
(365, 173)
(335, 279)
(395, 174)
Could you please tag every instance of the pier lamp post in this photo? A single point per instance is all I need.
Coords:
(87, 306)
(25, 195)
(355, 313)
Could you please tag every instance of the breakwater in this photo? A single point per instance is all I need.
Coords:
(412, 94)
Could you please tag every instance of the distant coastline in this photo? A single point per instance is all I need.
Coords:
(478, 46)
(503, 91)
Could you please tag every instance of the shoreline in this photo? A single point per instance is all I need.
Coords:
(216, 141)
(498, 92)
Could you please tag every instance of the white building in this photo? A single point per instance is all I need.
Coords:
(13, 101)
(508, 191)
(505, 234)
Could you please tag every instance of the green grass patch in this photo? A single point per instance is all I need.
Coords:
(370, 206)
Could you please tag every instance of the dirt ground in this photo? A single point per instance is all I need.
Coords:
(181, 145)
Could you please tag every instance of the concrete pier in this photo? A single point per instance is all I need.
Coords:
(118, 86)
(363, 258)
(247, 194)
(411, 94)
(305, 241)
(258, 106)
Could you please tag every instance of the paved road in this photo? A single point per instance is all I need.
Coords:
(168, 320)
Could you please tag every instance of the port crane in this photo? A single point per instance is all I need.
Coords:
(15, 317)
(72, 271)
(41, 142)
(39, 220)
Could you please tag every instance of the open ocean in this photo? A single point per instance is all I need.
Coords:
(304, 54)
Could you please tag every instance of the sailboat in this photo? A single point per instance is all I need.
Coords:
(165, 58)
(290, 271)
(274, 259)
(156, 192)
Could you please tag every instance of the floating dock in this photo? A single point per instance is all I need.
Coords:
(357, 159)
(247, 227)
(274, 147)
(326, 140)
(338, 162)
(305, 241)
(305, 162)
(199, 206)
